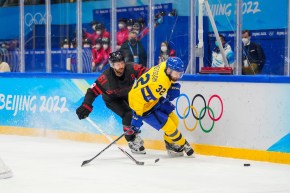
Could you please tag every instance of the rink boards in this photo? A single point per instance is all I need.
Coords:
(231, 116)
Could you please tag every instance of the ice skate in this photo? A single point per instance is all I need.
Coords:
(137, 145)
(188, 149)
(174, 150)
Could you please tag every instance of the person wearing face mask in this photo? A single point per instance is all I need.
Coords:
(217, 59)
(65, 44)
(136, 27)
(119, 78)
(107, 51)
(150, 99)
(253, 55)
(87, 56)
(100, 32)
(130, 23)
(165, 52)
(133, 50)
(122, 33)
(97, 55)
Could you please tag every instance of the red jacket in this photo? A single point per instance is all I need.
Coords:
(98, 56)
(122, 36)
(94, 36)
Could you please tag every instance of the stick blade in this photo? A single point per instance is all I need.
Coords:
(85, 163)
(140, 163)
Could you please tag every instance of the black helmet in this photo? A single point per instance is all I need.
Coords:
(94, 23)
(99, 26)
(87, 41)
(105, 40)
(116, 57)
(130, 22)
(123, 20)
(98, 41)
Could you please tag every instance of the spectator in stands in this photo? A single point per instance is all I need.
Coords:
(130, 23)
(253, 55)
(66, 44)
(137, 27)
(93, 24)
(87, 56)
(107, 51)
(217, 59)
(100, 32)
(142, 23)
(133, 50)
(165, 52)
(97, 56)
(87, 43)
(123, 32)
(4, 66)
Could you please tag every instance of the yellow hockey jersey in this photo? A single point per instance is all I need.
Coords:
(147, 90)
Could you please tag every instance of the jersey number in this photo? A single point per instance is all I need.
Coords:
(161, 90)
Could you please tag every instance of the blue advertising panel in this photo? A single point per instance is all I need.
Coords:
(48, 103)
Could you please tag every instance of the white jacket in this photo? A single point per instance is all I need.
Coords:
(217, 58)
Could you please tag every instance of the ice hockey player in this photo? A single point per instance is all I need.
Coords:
(147, 101)
(114, 84)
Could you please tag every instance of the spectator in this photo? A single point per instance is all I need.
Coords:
(142, 23)
(4, 66)
(253, 55)
(137, 27)
(97, 56)
(87, 43)
(100, 32)
(107, 51)
(87, 56)
(66, 44)
(130, 23)
(217, 59)
(133, 50)
(123, 33)
(165, 52)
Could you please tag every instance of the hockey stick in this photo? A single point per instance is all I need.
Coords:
(112, 142)
(88, 161)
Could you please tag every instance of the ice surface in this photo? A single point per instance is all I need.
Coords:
(44, 165)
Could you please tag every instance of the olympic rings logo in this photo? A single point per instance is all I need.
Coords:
(198, 116)
(37, 18)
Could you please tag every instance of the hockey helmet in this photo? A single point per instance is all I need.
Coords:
(176, 64)
(116, 57)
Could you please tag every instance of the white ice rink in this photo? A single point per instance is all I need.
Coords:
(42, 165)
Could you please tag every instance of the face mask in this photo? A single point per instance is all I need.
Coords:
(121, 26)
(245, 41)
(216, 43)
(133, 41)
(65, 46)
(98, 46)
(105, 46)
(87, 46)
(163, 48)
(137, 32)
(160, 20)
(129, 28)
(98, 32)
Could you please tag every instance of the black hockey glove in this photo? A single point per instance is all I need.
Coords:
(84, 110)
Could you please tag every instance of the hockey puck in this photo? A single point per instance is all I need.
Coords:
(247, 164)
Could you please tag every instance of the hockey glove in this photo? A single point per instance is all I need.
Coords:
(136, 122)
(84, 110)
(166, 106)
(173, 92)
